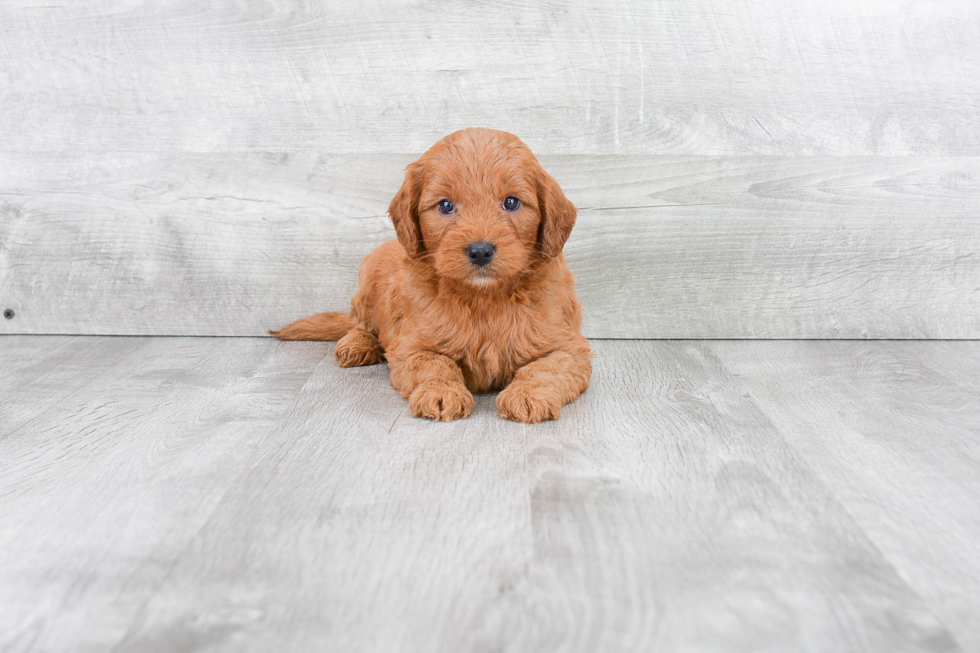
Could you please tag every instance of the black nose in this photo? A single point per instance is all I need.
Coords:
(480, 253)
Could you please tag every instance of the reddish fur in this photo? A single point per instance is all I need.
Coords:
(325, 326)
(445, 330)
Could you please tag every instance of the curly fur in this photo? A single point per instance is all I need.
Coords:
(449, 328)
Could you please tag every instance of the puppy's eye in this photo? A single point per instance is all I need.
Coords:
(446, 207)
(512, 203)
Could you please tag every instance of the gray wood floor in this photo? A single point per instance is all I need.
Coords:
(164, 494)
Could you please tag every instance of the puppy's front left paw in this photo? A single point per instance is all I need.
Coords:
(441, 401)
(528, 403)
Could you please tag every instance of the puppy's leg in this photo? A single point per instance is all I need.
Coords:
(433, 385)
(358, 347)
(542, 387)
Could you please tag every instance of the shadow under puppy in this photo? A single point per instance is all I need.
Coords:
(474, 295)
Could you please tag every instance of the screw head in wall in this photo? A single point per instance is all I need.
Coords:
(9, 313)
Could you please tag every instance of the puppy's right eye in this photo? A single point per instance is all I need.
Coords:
(446, 207)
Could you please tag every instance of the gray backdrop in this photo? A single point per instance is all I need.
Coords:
(754, 169)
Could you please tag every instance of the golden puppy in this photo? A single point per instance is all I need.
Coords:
(475, 294)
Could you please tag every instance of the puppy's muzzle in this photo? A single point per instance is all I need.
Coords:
(480, 253)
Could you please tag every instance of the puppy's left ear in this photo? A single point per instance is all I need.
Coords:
(557, 216)
(404, 211)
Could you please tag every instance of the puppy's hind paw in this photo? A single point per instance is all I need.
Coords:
(358, 348)
(528, 403)
(441, 401)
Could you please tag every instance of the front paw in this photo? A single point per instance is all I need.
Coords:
(529, 403)
(441, 401)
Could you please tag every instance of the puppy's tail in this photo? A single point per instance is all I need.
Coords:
(325, 326)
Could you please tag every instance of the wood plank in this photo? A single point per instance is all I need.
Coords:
(663, 511)
(102, 489)
(40, 372)
(357, 528)
(892, 429)
(25, 356)
(665, 247)
(670, 490)
(606, 76)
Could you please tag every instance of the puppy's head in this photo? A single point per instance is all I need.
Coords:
(480, 209)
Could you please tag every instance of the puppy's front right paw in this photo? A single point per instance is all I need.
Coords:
(441, 401)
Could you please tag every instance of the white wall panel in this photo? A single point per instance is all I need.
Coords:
(665, 247)
(835, 77)
(743, 169)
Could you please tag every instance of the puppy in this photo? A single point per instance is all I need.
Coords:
(474, 295)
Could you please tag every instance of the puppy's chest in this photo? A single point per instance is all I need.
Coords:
(489, 351)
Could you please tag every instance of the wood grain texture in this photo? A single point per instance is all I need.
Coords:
(367, 530)
(892, 429)
(237, 495)
(665, 247)
(830, 77)
(114, 454)
(669, 514)
(746, 170)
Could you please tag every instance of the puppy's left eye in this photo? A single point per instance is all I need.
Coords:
(512, 203)
(446, 207)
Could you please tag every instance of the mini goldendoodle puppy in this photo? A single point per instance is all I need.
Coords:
(474, 295)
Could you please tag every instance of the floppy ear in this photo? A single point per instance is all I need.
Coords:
(404, 211)
(557, 216)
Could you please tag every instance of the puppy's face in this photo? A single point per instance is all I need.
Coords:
(480, 209)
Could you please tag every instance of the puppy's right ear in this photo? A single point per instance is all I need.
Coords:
(404, 211)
